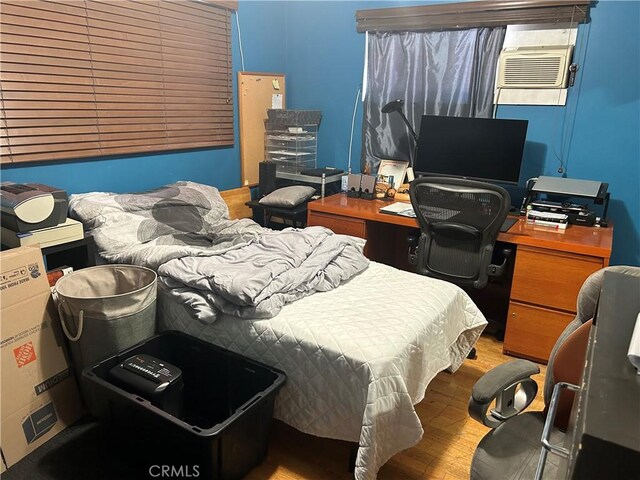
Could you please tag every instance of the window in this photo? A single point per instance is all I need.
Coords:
(440, 60)
(95, 78)
(438, 73)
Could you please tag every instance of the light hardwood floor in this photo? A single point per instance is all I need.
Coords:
(444, 452)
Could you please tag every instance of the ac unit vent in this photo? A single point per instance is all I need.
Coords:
(534, 67)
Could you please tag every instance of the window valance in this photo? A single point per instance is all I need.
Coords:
(489, 13)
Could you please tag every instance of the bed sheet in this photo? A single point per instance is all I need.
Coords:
(357, 358)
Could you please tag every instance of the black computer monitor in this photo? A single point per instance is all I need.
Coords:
(480, 148)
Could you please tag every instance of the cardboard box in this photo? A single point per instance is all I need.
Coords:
(38, 393)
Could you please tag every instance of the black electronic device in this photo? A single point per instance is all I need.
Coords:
(153, 379)
(478, 148)
(587, 218)
(319, 172)
(569, 188)
(267, 177)
(31, 206)
(577, 214)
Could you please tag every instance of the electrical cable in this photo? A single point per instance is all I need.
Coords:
(353, 123)
(572, 117)
(563, 128)
(240, 39)
(495, 105)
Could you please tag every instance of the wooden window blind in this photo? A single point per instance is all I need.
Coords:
(488, 13)
(95, 77)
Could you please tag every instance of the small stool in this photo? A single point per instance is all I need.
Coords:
(297, 215)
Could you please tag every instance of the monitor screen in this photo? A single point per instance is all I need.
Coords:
(479, 148)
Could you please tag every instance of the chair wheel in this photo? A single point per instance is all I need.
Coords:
(472, 354)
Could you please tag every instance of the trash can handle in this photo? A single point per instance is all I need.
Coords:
(63, 322)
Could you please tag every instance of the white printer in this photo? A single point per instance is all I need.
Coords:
(31, 206)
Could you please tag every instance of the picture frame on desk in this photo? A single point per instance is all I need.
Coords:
(393, 168)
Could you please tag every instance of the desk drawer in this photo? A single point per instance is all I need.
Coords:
(338, 224)
(533, 331)
(550, 279)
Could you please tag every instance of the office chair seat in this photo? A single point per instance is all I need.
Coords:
(512, 449)
(512, 453)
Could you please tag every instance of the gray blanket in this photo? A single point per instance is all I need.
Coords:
(150, 228)
(212, 263)
(255, 281)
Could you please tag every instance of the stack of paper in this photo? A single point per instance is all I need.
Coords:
(399, 208)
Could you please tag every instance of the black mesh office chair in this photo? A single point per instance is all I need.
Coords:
(459, 222)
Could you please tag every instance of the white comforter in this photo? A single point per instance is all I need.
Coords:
(357, 358)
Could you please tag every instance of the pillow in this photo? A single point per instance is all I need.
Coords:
(288, 196)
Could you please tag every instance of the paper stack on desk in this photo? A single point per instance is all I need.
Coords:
(399, 208)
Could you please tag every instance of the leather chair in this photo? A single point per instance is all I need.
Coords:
(512, 449)
(459, 222)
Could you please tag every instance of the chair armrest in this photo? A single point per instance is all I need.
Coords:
(501, 384)
(499, 270)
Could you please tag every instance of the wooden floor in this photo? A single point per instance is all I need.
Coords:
(444, 452)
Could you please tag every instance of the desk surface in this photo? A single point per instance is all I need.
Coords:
(592, 241)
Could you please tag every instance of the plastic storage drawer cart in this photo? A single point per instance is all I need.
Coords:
(291, 139)
(225, 409)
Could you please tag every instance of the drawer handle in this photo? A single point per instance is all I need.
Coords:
(513, 314)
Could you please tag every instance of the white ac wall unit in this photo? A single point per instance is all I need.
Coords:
(534, 67)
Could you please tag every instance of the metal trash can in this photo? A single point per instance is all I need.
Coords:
(106, 309)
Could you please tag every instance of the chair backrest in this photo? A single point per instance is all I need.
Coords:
(459, 221)
(587, 304)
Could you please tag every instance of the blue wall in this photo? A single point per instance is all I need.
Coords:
(324, 69)
(317, 46)
(604, 143)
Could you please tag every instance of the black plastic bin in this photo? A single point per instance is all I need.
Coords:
(227, 410)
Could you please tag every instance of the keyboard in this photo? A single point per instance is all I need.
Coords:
(508, 223)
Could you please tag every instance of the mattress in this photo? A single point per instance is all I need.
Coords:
(357, 358)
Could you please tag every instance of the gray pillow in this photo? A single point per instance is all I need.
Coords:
(288, 196)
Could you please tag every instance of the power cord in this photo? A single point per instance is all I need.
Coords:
(240, 39)
(353, 123)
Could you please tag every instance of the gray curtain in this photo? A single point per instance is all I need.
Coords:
(436, 73)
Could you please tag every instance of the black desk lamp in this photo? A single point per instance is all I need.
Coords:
(396, 106)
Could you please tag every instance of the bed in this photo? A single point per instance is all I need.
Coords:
(358, 357)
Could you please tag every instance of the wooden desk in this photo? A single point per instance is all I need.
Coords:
(550, 265)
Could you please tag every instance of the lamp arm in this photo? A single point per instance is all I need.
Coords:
(413, 132)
